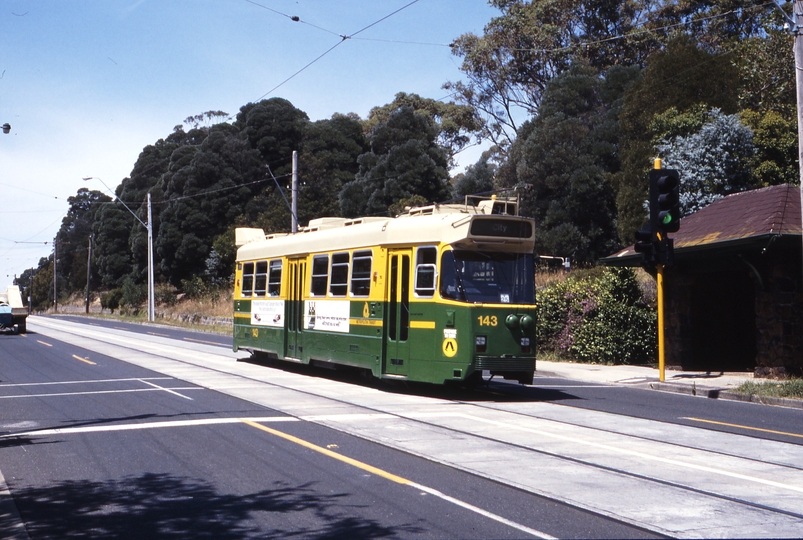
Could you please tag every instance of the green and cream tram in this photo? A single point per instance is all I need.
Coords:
(435, 295)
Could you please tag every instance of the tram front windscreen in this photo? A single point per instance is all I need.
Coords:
(487, 277)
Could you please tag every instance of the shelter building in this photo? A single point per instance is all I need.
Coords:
(734, 297)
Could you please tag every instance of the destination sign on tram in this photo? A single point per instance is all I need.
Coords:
(508, 228)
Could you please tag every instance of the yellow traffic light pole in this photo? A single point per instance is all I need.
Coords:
(661, 344)
(659, 268)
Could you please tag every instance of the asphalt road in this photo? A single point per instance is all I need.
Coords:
(98, 446)
(749, 419)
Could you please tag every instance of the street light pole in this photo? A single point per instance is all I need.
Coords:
(88, 271)
(151, 295)
(149, 227)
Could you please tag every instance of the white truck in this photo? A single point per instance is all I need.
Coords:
(12, 312)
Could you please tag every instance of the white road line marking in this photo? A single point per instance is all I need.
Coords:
(480, 511)
(365, 416)
(146, 425)
(537, 386)
(51, 383)
(165, 389)
(99, 392)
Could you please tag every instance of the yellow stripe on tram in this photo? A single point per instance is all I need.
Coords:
(365, 322)
(426, 325)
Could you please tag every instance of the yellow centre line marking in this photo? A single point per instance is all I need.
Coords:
(742, 427)
(329, 453)
(398, 479)
(87, 360)
(43, 343)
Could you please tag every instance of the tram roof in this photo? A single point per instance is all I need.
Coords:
(429, 225)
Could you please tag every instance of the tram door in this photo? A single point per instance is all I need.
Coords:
(294, 309)
(398, 313)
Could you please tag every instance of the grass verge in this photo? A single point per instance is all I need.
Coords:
(784, 389)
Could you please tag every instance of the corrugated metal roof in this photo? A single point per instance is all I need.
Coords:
(748, 214)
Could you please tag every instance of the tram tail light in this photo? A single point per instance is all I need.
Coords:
(481, 343)
(525, 344)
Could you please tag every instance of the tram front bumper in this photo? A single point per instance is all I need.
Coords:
(520, 368)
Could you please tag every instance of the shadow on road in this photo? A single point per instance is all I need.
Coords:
(166, 506)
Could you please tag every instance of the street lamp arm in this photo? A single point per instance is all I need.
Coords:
(149, 227)
(87, 178)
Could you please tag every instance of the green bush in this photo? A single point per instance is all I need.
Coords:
(134, 295)
(598, 317)
(111, 300)
(165, 294)
(195, 288)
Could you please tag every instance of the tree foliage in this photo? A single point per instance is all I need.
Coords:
(714, 160)
(73, 238)
(530, 43)
(405, 160)
(563, 161)
(477, 178)
(202, 197)
(456, 123)
(683, 76)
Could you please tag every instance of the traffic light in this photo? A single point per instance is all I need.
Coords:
(645, 244)
(664, 200)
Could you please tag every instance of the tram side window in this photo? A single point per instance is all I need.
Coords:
(361, 273)
(320, 275)
(248, 278)
(339, 283)
(425, 271)
(275, 278)
(261, 278)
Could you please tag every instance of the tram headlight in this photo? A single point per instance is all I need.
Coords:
(525, 344)
(481, 343)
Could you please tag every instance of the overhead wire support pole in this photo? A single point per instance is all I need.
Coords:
(294, 196)
(797, 28)
(151, 294)
(88, 270)
(149, 227)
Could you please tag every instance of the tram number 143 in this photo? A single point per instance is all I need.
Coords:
(488, 320)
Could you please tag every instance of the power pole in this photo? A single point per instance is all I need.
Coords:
(88, 272)
(151, 294)
(294, 196)
(795, 26)
(55, 288)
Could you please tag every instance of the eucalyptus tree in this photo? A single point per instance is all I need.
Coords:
(405, 159)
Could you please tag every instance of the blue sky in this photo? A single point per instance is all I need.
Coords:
(86, 84)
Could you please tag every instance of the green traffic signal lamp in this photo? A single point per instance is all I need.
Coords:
(665, 200)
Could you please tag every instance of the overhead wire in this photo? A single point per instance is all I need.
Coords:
(342, 37)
